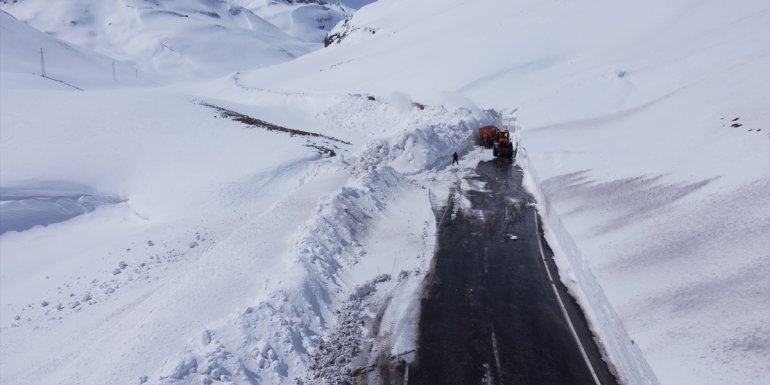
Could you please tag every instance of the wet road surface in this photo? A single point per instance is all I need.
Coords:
(490, 314)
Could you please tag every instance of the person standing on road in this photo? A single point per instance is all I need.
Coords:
(454, 159)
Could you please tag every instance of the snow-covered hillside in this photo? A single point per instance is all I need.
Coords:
(226, 252)
(173, 39)
(77, 67)
(308, 20)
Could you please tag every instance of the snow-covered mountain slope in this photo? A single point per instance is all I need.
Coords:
(229, 252)
(173, 38)
(309, 20)
(21, 47)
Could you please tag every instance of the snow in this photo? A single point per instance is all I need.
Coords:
(167, 40)
(177, 268)
(76, 66)
(308, 22)
(26, 208)
(224, 251)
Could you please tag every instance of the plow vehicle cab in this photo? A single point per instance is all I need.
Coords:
(503, 146)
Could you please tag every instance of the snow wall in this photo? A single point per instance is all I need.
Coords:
(630, 365)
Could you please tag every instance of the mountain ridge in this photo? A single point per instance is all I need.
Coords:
(165, 36)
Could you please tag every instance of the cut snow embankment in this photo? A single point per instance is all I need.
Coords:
(235, 246)
(625, 357)
(358, 258)
(667, 201)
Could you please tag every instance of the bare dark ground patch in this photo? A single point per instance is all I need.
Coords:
(323, 149)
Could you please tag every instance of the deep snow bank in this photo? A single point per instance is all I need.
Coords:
(627, 360)
(234, 247)
(343, 271)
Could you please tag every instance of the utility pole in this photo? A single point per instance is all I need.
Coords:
(113, 71)
(42, 64)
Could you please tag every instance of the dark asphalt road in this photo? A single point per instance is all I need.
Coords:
(489, 311)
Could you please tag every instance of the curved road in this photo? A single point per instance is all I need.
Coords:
(490, 312)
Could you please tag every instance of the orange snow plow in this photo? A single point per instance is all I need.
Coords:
(502, 145)
(487, 136)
